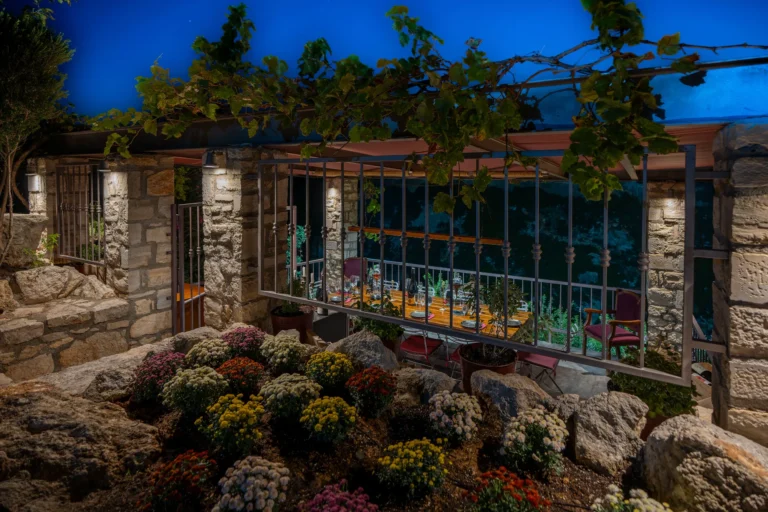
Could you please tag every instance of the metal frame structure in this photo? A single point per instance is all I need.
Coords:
(79, 211)
(187, 219)
(605, 360)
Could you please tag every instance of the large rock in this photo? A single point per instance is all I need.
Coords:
(55, 447)
(7, 300)
(696, 466)
(512, 393)
(607, 431)
(366, 350)
(27, 233)
(93, 288)
(44, 284)
(418, 385)
(110, 385)
(183, 342)
(565, 406)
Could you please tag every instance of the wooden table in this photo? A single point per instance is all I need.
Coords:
(440, 309)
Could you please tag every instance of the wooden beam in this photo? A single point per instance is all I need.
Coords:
(432, 236)
(545, 164)
(629, 168)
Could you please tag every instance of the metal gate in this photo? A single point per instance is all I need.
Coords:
(187, 260)
(79, 212)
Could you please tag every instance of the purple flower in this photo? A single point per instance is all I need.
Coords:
(245, 342)
(152, 374)
(334, 498)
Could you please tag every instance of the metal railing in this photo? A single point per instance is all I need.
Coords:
(187, 257)
(358, 167)
(79, 207)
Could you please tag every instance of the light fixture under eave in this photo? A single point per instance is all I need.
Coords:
(33, 182)
(209, 160)
(103, 166)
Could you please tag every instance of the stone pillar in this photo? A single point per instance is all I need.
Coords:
(137, 228)
(230, 227)
(335, 225)
(666, 229)
(740, 387)
(43, 202)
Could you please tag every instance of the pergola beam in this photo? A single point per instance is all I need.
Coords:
(627, 165)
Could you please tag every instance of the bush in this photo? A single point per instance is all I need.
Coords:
(372, 390)
(253, 484)
(330, 369)
(288, 395)
(335, 498)
(283, 353)
(233, 425)
(152, 374)
(180, 483)
(534, 440)
(245, 342)
(191, 391)
(455, 415)
(502, 490)
(662, 399)
(242, 374)
(416, 468)
(329, 419)
(638, 502)
(212, 352)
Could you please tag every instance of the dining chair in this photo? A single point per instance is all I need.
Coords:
(547, 365)
(420, 346)
(623, 329)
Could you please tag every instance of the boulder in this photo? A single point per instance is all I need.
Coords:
(7, 300)
(93, 288)
(183, 342)
(418, 385)
(512, 393)
(366, 350)
(696, 466)
(44, 284)
(27, 234)
(607, 431)
(110, 385)
(56, 447)
(565, 406)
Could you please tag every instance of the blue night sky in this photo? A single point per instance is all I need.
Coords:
(117, 40)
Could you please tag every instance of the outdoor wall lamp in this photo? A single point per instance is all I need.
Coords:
(103, 166)
(209, 162)
(33, 182)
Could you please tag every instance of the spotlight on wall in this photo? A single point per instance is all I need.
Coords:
(33, 182)
(209, 161)
(103, 166)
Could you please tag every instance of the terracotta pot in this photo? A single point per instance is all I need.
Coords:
(469, 367)
(302, 322)
(651, 424)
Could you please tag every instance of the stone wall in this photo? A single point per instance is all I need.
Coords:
(740, 390)
(139, 193)
(339, 233)
(666, 234)
(230, 226)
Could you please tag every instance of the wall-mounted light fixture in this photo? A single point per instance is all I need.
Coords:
(33, 182)
(209, 161)
(103, 166)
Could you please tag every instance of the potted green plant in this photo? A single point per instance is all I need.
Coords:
(482, 356)
(290, 315)
(389, 333)
(664, 400)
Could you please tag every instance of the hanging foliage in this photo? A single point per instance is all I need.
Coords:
(446, 103)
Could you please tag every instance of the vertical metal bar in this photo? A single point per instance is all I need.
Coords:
(570, 256)
(505, 251)
(182, 271)
(260, 241)
(643, 261)
(59, 209)
(99, 220)
(478, 250)
(688, 259)
(274, 226)
(307, 234)
(343, 235)
(426, 250)
(605, 258)
(291, 230)
(174, 271)
(199, 271)
(536, 259)
(403, 238)
(89, 214)
(324, 284)
(191, 270)
(451, 251)
(381, 234)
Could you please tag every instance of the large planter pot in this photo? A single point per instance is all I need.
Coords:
(651, 424)
(469, 367)
(301, 321)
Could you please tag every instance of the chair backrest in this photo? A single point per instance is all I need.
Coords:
(353, 267)
(627, 305)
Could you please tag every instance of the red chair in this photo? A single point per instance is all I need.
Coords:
(548, 366)
(421, 347)
(354, 267)
(622, 331)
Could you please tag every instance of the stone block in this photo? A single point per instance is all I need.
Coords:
(29, 352)
(136, 256)
(748, 332)
(98, 345)
(151, 324)
(164, 207)
(159, 235)
(32, 368)
(110, 310)
(7, 358)
(65, 314)
(164, 299)
(750, 219)
(749, 383)
(142, 307)
(163, 253)
(141, 210)
(748, 172)
(122, 324)
(157, 277)
(750, 424)
(135, 232)
(19, 331)
(663, 262)
(749, 278)
(160, 183)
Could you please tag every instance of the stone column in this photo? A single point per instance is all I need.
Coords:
(230, 226)
(137, 228)
(740, 387)
(666, 229)
(42, 204)
(333, 220)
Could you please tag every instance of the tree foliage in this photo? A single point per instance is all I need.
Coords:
(446, 103)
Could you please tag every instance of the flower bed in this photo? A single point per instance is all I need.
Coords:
(233, 425)
(336, 498)
(212, 353)
(242, 374)
(372, 390)
(415, 468)
(288, 395)
(245, 342)
(152, 374)
(502, 490)
(191, 391)
(183, 482)
(329, 419)
(330, 369)
(455, 415)
(534, 441)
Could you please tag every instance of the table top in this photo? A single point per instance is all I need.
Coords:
(440, 309)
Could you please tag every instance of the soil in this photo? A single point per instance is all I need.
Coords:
(313, 466)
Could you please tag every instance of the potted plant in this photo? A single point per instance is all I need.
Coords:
(663, 400)
(482, 356)
(290, 315)
(389, 333)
